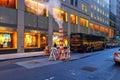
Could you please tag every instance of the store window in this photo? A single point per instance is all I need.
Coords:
(44, 40)
(8, 3)
(30, 40)
(8, 40)
(60, 14)
(56, 39)
(74, 19)
(83, 22)
(35, 7)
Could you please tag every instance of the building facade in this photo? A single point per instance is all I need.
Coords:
(26, 25)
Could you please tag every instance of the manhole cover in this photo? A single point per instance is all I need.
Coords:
(90, 69)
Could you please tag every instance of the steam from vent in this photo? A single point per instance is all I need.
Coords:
(54, 4)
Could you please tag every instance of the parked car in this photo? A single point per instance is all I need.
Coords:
(117, 57)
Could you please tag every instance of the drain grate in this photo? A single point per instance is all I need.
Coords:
(88, 68)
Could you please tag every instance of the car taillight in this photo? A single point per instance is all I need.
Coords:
(115, 54)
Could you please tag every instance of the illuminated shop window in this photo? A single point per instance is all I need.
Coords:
(44, 40)
(35, 7)
(91, 26)
(6, 40)
(8, 3)
(74, 19)
(30, 40)
(56, 39)
(60, 14)
(83, 22)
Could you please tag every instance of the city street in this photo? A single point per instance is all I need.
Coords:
(97, 66)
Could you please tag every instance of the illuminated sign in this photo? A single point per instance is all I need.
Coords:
(8, 3)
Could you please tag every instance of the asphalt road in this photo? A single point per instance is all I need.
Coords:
(96, 67)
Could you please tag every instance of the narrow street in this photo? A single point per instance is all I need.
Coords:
(98, 66)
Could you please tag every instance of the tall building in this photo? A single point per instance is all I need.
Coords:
(26, 25)
(118, 19)
(99, 18)
(113, 14)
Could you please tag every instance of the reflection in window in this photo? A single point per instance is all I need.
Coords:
(83, 22)
(35, 7)
(74, 19)
(60, 14)
(8, 3)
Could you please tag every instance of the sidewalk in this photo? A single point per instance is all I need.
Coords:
(19, 55)
(35, 54)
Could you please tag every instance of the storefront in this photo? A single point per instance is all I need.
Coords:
(56, 39)
(8, 40)
(31, 39)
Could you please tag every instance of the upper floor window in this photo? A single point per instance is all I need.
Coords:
(83, 6)
(91, 26)
(74, 19)
(83, 22)
(60, 14)
(72, 2)
(76, 3)
(8, 3)
(35, 7)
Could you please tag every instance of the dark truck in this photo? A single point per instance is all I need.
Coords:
(86, 43)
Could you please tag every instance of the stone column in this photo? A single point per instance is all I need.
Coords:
(78, 24)
(69, 29)
(50, 30)
(20, 27)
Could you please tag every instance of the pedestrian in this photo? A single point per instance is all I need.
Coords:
(55, 45)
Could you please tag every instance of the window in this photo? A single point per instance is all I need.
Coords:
(91, 15)
(91, 26)
(8, 40)
(83, 6)
(60, 14)
(8, 3)
(76, 3)
(30, 40)
(72, 2)
(102, 29)
(86, 9)
(35, 7)
(96, 27)
(83, 22)
(74, 19)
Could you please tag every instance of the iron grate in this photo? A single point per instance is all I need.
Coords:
(88, 68)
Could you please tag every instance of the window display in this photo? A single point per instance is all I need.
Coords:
(8, 3)
(30, 40)
(74, 19)
(5, 40)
